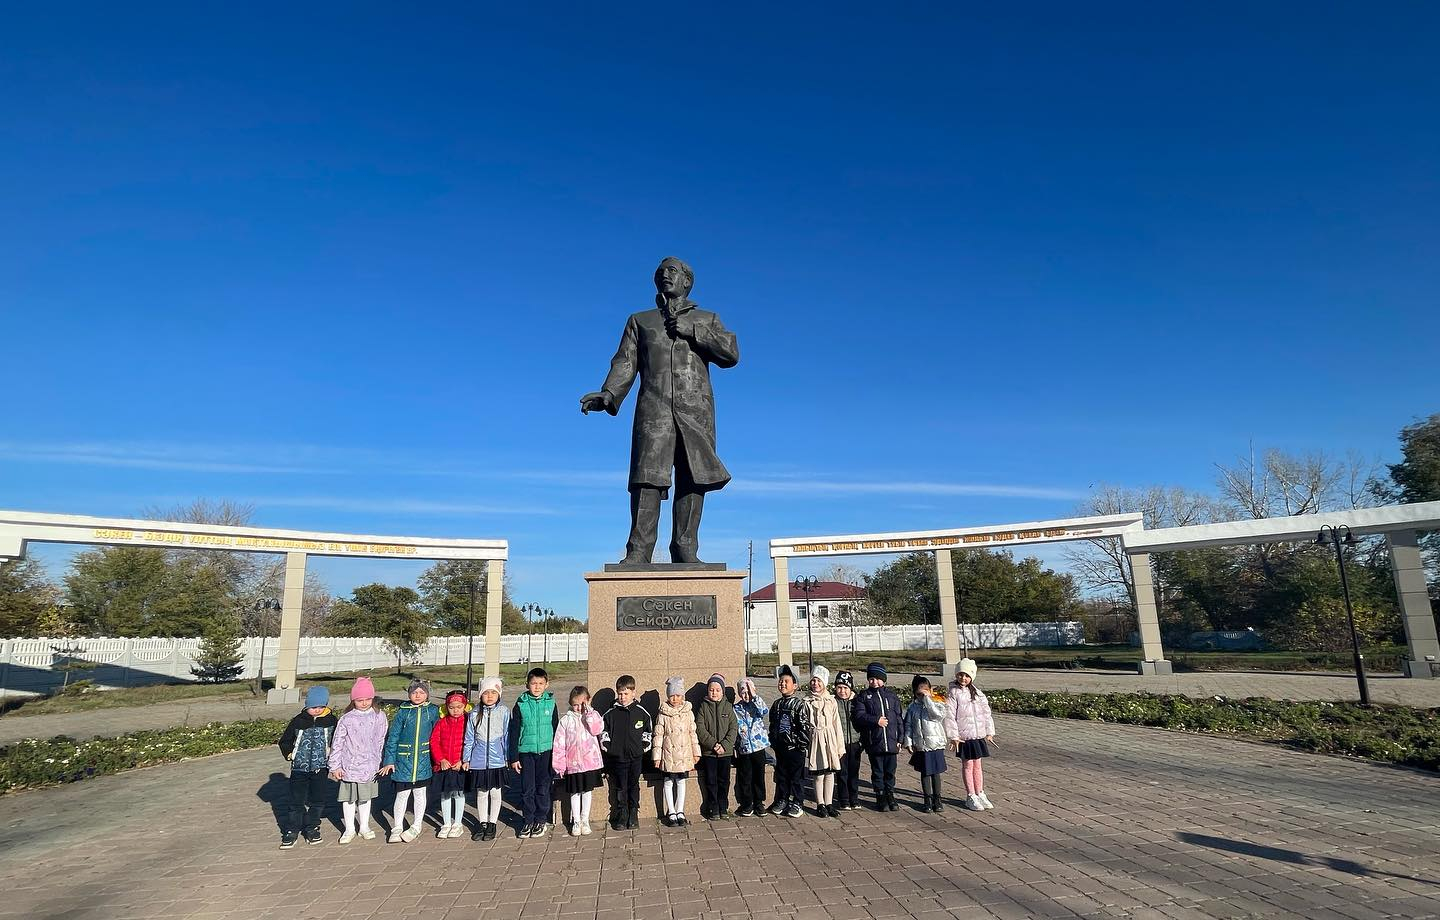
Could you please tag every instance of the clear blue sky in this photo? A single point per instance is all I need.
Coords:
(356, 264)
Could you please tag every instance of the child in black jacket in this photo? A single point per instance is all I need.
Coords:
(625, 741)
(306, 744)
(790, 730)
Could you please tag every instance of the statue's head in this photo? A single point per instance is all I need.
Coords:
(674, 277)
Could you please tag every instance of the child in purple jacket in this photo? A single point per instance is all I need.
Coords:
(355, 758)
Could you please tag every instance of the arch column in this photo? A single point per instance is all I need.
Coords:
(288, 660)
(1147, 615)
(949, 620)
(782, 610)
(1408, 569)
(494, 607)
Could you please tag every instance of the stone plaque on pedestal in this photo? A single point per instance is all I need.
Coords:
(655, 621)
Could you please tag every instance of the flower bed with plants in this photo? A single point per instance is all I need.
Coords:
(1392, 734)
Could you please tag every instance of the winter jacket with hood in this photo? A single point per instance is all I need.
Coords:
(358, 746)
(676, 744)
(866, 711)
(306, 741)
(716, 723)
(790, 727)
(487, 737)
(750, 717)
(577, 745)
(925, 724)
(629, 732)
(827, 745)
(407, 746)
(967, 719)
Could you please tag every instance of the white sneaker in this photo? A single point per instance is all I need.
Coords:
(457, 830)
(411, 835)
(366, 834)
(346, 837)
(585, 828)
(396, 835)
(574, 828)
(972, 803)
(984, 800)
(443, 832)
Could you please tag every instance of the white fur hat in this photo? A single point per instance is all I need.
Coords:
(823, 673)
(966, 666)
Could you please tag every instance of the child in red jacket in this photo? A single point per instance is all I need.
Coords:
(447, 746)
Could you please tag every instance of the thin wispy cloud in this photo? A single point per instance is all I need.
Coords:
(174, 457)
(817, 486)
(416, 506)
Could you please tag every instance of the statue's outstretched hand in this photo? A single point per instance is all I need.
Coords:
(594, 402)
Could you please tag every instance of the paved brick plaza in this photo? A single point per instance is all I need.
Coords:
(1093, 820)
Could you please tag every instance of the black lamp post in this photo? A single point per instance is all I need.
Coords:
(806, 584)
(530, 610)
(545, 636)
(263, 607)
(1337, 534)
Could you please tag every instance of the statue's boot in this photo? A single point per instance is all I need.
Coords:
(685, 534)
(644, 524)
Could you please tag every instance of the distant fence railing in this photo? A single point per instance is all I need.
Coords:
(29, 666)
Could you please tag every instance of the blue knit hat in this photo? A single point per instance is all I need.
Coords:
(317, 696)
(876, 669)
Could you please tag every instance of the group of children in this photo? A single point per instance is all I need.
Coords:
(466, 749)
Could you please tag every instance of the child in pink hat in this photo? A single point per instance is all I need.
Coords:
(355, 758)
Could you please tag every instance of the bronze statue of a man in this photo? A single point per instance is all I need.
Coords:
(671, 348)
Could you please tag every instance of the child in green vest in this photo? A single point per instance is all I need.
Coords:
(532, 735)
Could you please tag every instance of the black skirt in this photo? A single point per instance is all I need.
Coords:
(576, 783)
(969, 750)
(928, 763)
(448, 782)
(405, 785)
(487, 779)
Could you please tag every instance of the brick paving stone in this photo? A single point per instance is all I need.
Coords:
(1092, 821)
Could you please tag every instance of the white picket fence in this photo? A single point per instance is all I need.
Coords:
(29, 666)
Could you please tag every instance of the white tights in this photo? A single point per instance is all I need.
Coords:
(487, 806)
(675, 795)
(452, 808)
(580, 807)
(350, 809)
(402, 799)
(824, 788)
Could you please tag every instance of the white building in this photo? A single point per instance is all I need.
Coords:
(830, 603)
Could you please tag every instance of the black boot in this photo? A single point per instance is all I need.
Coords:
(890, 803)
(632, 819)
(936, 805)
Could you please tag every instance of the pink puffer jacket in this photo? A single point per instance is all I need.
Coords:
(967, 719)
(577, 749)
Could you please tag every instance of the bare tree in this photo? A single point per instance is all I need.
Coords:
(1101, 565)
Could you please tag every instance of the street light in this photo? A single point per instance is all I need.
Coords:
(262, 607)
(1332, 533)
(545, 637)
(805, 584)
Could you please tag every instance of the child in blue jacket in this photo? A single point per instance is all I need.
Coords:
(406, 759)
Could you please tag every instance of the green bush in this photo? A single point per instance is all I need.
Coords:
(1392, 734)
(47, 762)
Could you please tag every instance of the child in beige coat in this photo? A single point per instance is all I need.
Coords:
(676, 749)
(827, 746)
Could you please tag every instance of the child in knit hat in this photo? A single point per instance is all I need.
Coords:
(306, 744)
(355, 758)
(822, 756)
(718, 730)
(750, 713)
(970, 728)
(407, 759)
(447, 752)
(487, 739)
(790, 730)
(847, 781)
(876, 711)
(677, 749)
